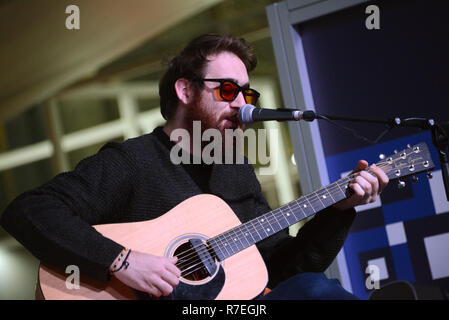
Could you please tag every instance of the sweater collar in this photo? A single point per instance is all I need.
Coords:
(163, 137)
(228, 181)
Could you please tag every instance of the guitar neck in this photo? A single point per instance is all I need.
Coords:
(253, 231)
(413, 160)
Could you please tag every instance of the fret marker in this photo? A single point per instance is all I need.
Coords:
(324, 196)
(288, 214)
(268, 229)
(305, 206)
(235, 239)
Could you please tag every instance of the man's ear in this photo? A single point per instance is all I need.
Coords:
(184, 90)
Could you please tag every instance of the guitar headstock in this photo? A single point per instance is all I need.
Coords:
(411, 161)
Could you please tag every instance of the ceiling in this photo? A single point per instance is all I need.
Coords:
(241, 18)
(39, 56)
(118, 40)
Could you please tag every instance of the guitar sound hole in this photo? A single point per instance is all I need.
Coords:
(190, 264)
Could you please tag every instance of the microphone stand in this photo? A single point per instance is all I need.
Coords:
(440, 134)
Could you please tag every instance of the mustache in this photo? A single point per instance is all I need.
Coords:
(233, 116)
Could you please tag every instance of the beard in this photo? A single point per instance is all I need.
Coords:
(197, 111)
(221, 121)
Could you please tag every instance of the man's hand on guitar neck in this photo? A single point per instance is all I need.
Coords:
(152, 274)
(365, 186)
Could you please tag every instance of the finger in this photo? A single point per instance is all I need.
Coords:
(173, 269)
(361, 165)
(361, 196)
(371, 188)
(372, 180)
(381, 176)
(163, 286)
(358, 193)
(173, 260)
(170, 278)
(365, 185)
(153, 290)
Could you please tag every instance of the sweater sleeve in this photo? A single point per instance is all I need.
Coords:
(312, 250)
(54, 222)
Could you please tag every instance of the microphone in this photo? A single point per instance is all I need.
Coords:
(249, 114)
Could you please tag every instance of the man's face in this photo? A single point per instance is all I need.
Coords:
(207, 106)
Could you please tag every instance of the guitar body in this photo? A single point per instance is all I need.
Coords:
(241, 276)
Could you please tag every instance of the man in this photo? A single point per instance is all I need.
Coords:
(136, 180)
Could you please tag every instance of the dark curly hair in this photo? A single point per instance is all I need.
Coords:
(191, 62)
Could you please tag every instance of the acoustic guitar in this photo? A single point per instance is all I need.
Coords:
(216, 253)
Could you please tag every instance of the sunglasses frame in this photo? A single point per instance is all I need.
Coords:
(239, 89)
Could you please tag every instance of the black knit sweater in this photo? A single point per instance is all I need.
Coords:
(135, 181)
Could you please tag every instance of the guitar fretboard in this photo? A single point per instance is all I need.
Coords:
(413, 160)
(253, 231)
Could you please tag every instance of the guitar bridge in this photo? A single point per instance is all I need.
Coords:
(204, 256)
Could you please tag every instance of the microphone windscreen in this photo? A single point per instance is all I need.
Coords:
(245, 114)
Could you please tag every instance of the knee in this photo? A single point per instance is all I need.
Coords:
(316, 286)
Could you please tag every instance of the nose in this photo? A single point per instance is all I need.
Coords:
(239, 101)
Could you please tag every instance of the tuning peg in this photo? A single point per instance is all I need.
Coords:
(395, 151)
(401, 184)
(381, 156)
(429, 175)
(415, 179)
(409, 145)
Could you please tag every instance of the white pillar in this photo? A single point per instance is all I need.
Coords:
(55, 132)
(128, 114)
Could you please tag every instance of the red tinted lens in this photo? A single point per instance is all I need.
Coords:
(228, 91)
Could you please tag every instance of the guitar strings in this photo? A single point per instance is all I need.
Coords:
(314, 200)
(192, 263)
(338, 183)
(192, 251)
(200, 263)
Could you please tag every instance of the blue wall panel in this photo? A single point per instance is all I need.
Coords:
(410, 260)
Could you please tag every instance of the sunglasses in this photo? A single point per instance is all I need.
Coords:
(229, 90)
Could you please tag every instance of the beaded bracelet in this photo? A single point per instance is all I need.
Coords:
(122, 257)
